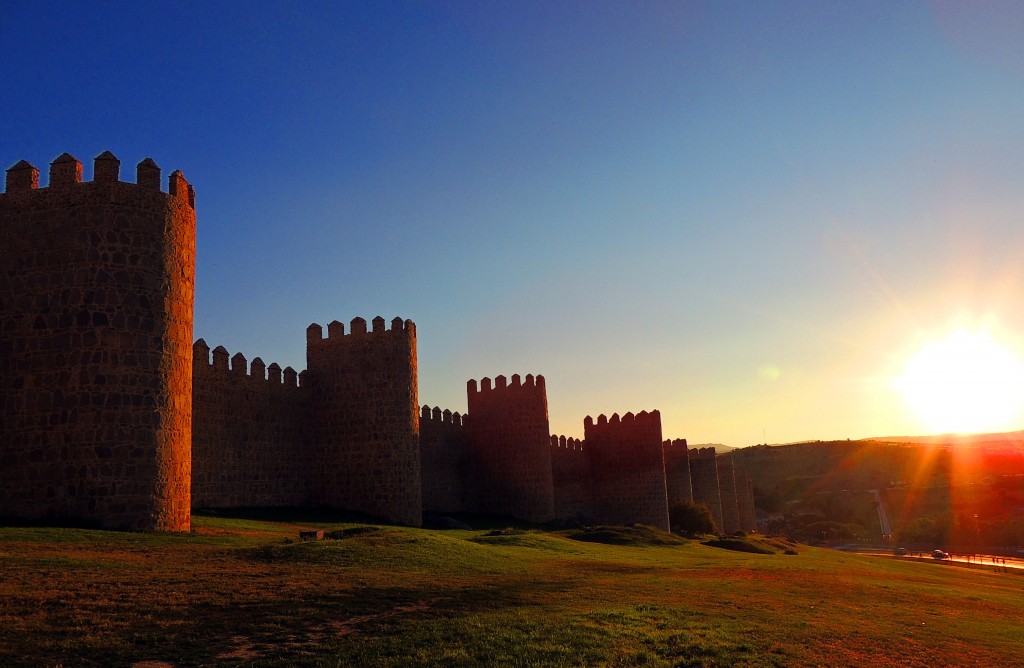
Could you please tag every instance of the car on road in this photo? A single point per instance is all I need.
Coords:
(900, 552)
(940, 554)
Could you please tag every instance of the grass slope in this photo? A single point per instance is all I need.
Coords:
(241, 592)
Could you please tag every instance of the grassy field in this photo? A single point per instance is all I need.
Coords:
(244, 592)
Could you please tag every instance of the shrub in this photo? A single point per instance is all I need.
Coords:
(691, 518)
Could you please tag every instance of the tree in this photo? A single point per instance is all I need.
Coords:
(691, 518)
(768, 501)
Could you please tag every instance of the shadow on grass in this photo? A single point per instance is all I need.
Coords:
(291, 515)
(740, 545)
(638, 535)
(50, 522)
(283, 632)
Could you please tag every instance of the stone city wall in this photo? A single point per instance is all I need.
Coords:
(677, 471)
(745, 499)
(250, 433)
(111, 415)
(727, 494)
(572, 479)
(704, 478)
(445, 464)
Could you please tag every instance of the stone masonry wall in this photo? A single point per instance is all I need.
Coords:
(628, 469)
(365, 418)
(727, 493)
(250, 433)
(677, 471)
(704, 478)
(110, 416)
(572, 480)
(96, 299)
(745, 499)
(509, 439)
(445, 462)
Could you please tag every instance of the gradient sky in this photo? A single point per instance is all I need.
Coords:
(745, 214)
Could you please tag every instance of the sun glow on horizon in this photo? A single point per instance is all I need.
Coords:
(965, 383)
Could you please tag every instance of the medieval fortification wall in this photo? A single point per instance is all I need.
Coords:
(704, 478)
(628, 469)
(572, 479)
(110, 415)
(96, 297)
(745, 499)
(343, 433)
(445, 462)
(250, 433)
(677, 471)
(727, 494)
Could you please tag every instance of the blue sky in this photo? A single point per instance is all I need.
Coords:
(745, 214)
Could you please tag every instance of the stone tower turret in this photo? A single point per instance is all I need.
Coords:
(704, 478)
(510, 443)
(727, 492)
(96, 297)
(628, 469)
(365, 418)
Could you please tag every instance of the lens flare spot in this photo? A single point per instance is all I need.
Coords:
(966, 383)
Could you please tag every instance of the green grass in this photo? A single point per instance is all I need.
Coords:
(240, 591)
(741, 545)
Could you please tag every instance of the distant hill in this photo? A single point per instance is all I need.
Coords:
(877, 463)
(719, 448)
(1008, 438)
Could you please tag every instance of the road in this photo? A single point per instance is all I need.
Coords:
(986, 561)
(883, 517)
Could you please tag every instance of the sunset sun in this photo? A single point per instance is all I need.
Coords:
(965, 383)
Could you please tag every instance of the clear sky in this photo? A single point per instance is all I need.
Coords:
(748, 215)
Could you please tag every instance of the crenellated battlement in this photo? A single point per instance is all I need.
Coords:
(66, 174)
(240, 368)
(436, 416)
(629, 420)
(358, 328)
(703, 453)
(567, 444)
(678, 484)
(501, 384)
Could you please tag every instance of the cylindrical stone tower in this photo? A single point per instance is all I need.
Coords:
(96, 299)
